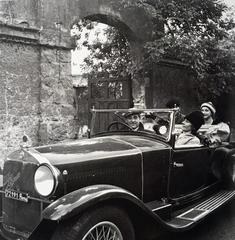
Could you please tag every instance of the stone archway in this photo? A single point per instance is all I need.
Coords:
(106, 90)
(35, 63)
(133, 22)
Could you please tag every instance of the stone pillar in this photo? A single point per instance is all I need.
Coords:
(57, 113)
(82, 110)
(36, 92)
(19, 88)
(138, 82)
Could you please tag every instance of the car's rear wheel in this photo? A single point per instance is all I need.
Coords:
(104, 223)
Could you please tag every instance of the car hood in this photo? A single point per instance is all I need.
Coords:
(97, 148)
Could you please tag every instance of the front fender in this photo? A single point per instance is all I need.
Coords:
(77, 201)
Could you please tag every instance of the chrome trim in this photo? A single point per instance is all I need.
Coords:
(209, 205)
(134, 110)
(162, 207)
(167, 110)
(214, 202)
(55, 175)
(40, 200)
(196, 218)
(35, 154)
(171, 126)
(44, 161)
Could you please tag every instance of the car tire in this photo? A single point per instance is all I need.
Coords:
(103, 220)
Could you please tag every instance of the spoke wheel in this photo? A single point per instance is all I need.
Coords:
(101, 223)
(104, 231)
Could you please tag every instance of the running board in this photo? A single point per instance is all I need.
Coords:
(198, 212)
(161, 208)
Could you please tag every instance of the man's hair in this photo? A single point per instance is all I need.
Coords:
(172, 103)
(196, 119)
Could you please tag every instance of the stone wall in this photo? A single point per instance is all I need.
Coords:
(171, 80)
(36, 92)
(19, 95)
(54, 18)
(56, 97)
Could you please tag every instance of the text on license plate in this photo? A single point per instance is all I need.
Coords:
(16, 195)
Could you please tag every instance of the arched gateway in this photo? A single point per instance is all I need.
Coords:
(36, 91)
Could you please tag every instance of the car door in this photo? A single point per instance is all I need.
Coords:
(189, 170)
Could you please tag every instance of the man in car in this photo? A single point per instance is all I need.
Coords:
(133, 120)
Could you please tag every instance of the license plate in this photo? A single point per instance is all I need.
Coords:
(16, 195)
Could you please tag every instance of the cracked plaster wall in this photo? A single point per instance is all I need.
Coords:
(19, 95)
(36, 94)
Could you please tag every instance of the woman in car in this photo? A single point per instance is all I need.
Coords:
(190, 126)
(213, 131)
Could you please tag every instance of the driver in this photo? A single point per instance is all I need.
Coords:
(133, 120)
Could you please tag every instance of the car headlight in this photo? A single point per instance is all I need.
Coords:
(45, 180)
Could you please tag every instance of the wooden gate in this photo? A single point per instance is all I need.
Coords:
(110, 93)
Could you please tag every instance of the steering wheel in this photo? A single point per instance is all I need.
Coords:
(119, 123)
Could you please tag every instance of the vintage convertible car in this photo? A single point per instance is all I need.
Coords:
(116, 184)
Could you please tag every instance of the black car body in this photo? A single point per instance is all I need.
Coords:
(117, 181)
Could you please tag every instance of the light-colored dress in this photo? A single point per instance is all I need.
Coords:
(216, 134)
(187, 138)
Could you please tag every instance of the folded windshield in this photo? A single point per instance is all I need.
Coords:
(154, 121)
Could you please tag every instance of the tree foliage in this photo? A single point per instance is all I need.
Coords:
(196, 32)
(109, 56)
